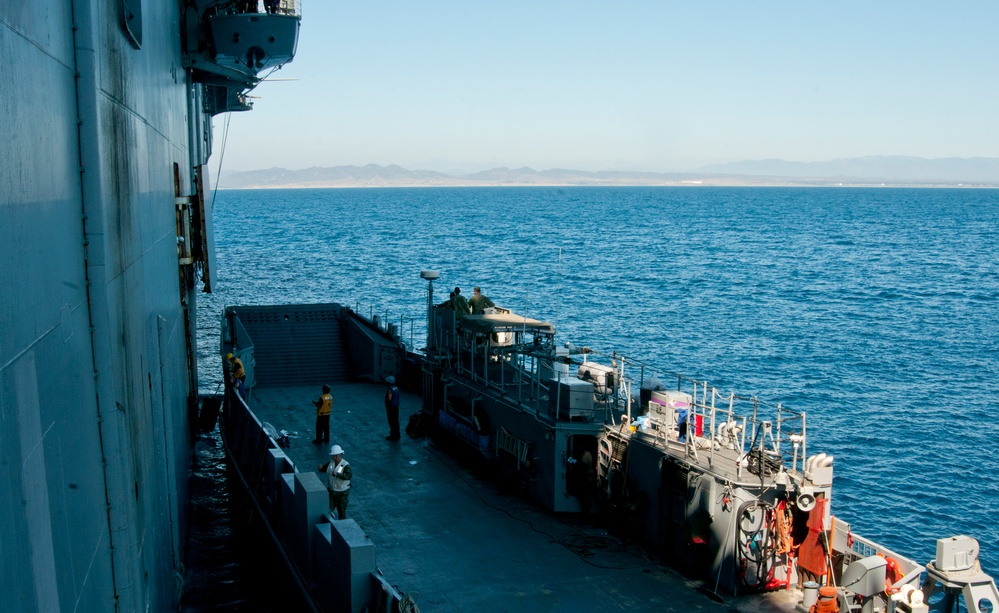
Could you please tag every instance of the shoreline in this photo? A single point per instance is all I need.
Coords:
(686, 184)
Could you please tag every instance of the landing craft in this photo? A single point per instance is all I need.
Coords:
(720, 486)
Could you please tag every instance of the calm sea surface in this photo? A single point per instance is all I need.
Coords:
(875, 311)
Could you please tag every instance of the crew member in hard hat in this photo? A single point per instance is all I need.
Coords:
(236, 367)
(338, 476)
(323, 408)
(479, 303)
(392, 409)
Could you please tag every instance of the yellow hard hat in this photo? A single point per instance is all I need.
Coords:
(228, 356)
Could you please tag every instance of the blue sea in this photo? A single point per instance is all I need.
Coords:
(875, 311)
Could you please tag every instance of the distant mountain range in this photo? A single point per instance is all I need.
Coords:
(865, 171)
(887, 168)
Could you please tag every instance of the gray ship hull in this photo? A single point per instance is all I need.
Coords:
(106, 244)
(94, 350)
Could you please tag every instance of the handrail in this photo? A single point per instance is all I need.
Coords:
(279, 7)
(772, 427)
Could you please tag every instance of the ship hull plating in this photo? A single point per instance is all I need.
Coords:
(95, 357)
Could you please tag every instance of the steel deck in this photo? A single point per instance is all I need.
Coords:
(453, 538)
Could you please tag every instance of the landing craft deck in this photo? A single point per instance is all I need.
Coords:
(454, 539)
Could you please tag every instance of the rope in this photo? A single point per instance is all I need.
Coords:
(218, 173)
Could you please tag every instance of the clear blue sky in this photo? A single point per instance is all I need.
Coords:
(624, 85)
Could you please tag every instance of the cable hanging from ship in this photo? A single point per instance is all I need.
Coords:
(758, 545)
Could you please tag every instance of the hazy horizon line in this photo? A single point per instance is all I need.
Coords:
(699, 169)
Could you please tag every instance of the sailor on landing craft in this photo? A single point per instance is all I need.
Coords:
(323, 408)
(479, 303)
(338, 475)
(236, 366)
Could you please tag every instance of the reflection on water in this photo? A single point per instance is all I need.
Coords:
(230, 564)
(212, 580)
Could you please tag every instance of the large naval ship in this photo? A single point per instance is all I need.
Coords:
(537, 474)
(106, 239)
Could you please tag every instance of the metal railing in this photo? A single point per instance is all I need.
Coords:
(274, 7)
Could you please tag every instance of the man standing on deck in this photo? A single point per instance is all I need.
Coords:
(479, 303)
(459, 304)
(323, 408)
(338, 474)
(236, 367)
(392, 409)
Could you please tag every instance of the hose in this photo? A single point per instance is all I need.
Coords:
(755, 545)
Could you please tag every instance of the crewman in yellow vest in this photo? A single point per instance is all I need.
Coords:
(236, 367)
(323, 408)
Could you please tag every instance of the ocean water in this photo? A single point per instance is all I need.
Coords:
(875, 311)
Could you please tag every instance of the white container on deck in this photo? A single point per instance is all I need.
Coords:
(665, 407)
(602, 376)
(571, 398)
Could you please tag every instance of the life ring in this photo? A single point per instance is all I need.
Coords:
(893, 574)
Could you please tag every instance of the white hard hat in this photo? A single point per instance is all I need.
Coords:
(336, 450)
